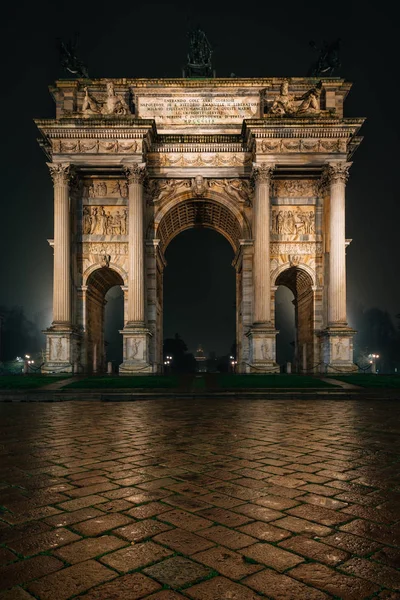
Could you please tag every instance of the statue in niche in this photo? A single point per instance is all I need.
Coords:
(284, 103)
(310, 101)
(102, 222)
(114, 105)
(109, 223)
(101, 189)
(90, 105)
(280, 222)
(328, 61)
(59, 349)
(340, 348)
(311, 223)
(290, 225)
(94, 220)
(87, 221)
(199, 186)
(135, 348)
(124, 222)
(117, 223)
(266, 350)
(69, 59)
(199, 56)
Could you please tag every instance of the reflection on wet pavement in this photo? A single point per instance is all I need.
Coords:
(212, 499)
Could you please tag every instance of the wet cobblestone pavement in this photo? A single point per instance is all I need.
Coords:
(206, 500)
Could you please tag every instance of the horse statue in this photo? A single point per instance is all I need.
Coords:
(328, 62)
(69, 59)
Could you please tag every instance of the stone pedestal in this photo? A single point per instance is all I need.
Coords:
(62, 350)
(337, 350)
(136, 352)
(263, 350)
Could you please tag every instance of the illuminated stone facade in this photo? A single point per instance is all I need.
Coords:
(262, 161)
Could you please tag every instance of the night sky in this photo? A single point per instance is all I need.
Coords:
(269, 39)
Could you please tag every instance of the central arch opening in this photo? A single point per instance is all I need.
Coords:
(199, 238)
(200, 294)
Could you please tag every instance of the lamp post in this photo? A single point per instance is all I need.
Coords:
(372, 360)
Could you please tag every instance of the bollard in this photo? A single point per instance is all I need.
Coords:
(26, 368)
(110, 368)
(289, 368)
(373, 368)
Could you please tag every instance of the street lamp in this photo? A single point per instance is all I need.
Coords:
(373, 358)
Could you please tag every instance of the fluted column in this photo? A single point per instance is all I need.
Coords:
(136, 293)
(61, 175)
(337, 175)
(261, 214)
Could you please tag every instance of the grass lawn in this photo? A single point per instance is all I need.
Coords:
(26, 382)
(371, 381)
(124, 382)
(275, 380)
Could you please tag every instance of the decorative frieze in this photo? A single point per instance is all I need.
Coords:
(295, 188)
(296, 249)
(199, 160)
(114, 188)
(283, 146)
(94, 146)
(108, 249)
(289, 105)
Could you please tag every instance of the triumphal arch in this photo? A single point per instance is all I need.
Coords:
(262, 161)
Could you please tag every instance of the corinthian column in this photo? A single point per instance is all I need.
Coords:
(262, 336)
(261, 224)
(136, 301)
(337, 175)
(61, 175)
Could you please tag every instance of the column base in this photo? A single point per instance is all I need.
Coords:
(62, 350)
(262, 350)
(136, 351)
(337, 350)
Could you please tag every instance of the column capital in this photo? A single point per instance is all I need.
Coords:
(262, 172)
(337, 172)
(61, 173)
(135, 173)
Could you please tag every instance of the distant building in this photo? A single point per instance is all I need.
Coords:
(201, 360)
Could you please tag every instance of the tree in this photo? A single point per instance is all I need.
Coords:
(19, 335)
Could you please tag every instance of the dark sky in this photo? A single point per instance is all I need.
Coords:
(268, 39)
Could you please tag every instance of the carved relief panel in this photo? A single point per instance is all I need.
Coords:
(105, 220)
(102, 188)
(291, 223)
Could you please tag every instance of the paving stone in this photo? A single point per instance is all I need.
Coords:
(100, 525)
(384, 576)
(26, 570)
(220, 588)
(137, 532)
(315, 550)
(261, 513)
(134, 557)
(6, 556)
(351, 543)
(323, 501)
(126, 587)
(276, 502)
(178, 572)
(264, 531)
(228, 537)
(186, 520)
(166, 595)
(333, 582)
(184, 541)
(388, 556)
(89, 548)
(271, 556)
(23, 530)
(70, 518)
(73, 505)
(372, 531)
(225, 517)
(71, 581)
(115, 506)
(281, 587)
(16, 594)
(148, 510)
(49, 540)
(318, 514)
(302, 526)
(226, 562)
(186, 503)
